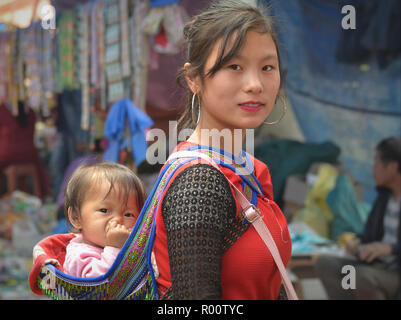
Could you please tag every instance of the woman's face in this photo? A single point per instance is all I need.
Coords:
(243, 92)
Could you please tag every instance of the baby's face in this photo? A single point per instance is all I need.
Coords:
(98, 211)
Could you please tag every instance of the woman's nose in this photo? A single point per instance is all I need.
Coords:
(253, 83)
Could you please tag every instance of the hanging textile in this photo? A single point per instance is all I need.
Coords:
(159, 3)
(100, 28)
(12, 90)
(4, 52)
(95, 43)
(134, 43)
(113, 54)
(65, 75)
(30, 42)
(94, 54)
(84, 30)
(77, 46)
(121, 113)
(125, 55)
(19, 66)
(166, 24)
(98, 48)
(46, 74)
(139, 43)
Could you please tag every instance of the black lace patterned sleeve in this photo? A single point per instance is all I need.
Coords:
(197, 209)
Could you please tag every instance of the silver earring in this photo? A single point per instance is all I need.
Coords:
(192, 110)
(282, 115)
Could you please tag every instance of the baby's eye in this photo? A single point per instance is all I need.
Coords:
(129, 215)
(104, 210)
(235, 67)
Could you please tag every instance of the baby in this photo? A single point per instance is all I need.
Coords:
(102, 203)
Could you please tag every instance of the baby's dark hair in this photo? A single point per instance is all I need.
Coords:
(390, 151)
(86, 176)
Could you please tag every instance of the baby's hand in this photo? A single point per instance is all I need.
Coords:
(116, 234)
(38, 251)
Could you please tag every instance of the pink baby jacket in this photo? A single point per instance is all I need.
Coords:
(87, 261)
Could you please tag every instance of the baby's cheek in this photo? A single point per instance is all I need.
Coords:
(130, 224)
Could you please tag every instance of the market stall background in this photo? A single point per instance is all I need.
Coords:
(70, 71)
(342, 88)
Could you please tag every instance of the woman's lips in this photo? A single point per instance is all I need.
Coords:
(251, 106)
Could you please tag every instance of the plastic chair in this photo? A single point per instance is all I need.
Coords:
(16, 171)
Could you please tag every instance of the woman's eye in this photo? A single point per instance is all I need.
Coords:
(235, 67)
(267, 68)
(104, 210)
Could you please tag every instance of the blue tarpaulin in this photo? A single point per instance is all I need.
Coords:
(352, 102)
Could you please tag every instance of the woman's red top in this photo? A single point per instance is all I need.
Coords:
(242, 268)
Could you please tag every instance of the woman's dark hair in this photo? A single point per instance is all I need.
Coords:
(390, 151)
(87, 176)
(228, 20)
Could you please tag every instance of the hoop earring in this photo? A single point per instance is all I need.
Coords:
(192, 110)
(282, 115)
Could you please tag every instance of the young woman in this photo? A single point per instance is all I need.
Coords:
(204, 247)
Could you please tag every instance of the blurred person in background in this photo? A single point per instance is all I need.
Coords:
(375, 253)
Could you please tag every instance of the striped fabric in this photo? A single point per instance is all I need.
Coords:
(391, 221)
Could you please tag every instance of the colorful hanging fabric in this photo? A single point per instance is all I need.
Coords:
(125, 53)
(112, 54)
(140, 49)
(94, 58)
(77, 46)
(65, 76)
(19, 66)
(84, 50)
(100, 28)
(12, 89)
(160, 3)
(165, 24)
(46, 67)
(134, 52)
(4, 52)
(30, 42)
(94, 69)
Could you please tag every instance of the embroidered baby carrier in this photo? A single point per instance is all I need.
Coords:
(132, 276)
